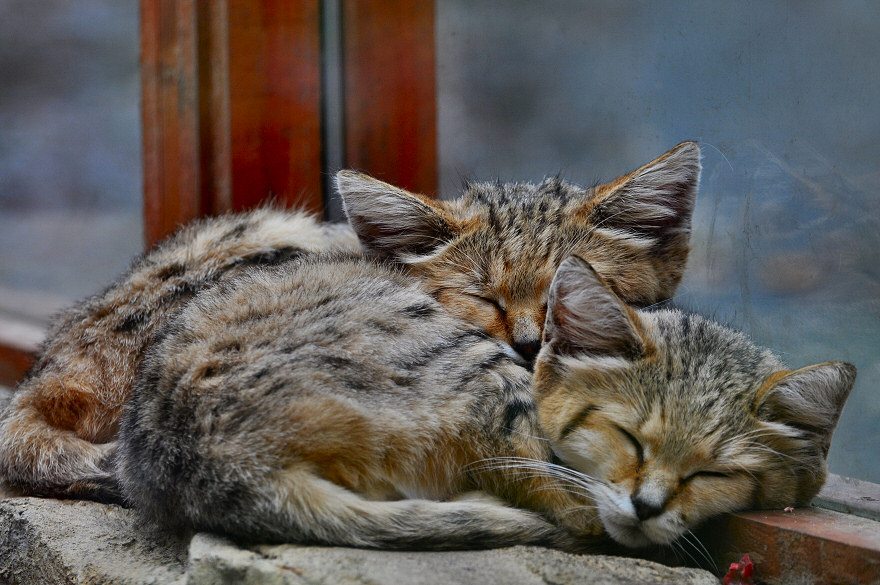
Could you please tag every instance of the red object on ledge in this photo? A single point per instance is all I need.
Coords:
(740, 573)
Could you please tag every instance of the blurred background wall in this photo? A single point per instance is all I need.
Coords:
(70, 150)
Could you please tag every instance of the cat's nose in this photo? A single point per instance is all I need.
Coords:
(645, 509)
(528, 350)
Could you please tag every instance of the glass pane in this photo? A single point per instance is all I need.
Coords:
(783, 97)
(70, 168)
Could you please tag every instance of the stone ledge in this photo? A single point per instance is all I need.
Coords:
(54, 541)
(50, 541)
(215, 561)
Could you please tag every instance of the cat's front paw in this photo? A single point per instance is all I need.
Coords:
(583, 524)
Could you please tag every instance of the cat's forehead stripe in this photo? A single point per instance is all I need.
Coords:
(521, 199)
(522, 227)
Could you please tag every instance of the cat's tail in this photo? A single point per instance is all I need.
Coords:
(323, 511)
(37, 458)
(298, 506)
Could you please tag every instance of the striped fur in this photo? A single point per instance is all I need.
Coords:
(489, 255)
(58, 433)
(332, 400)
(500, 245)
(676, 417)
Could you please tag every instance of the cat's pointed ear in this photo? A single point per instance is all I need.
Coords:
(647, 213)
(392, 222)
(585, 317)
(809, 399)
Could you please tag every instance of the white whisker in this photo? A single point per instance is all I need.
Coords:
(685, 551)
(701, 549)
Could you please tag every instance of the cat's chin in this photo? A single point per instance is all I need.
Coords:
(638, 535)
(621, 524)
(629, 536)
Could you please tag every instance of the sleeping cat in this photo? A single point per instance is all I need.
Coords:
(331, 400)
(58, 432)
(488, 257)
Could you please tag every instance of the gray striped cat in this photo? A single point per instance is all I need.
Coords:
(58, 434)
(332, 400)
(487, 256)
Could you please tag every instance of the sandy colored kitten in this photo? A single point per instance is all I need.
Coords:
(60, 427)
(332, 400)
(487, 256)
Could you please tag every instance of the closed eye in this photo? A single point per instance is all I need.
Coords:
(488, 300)
(635, 443)
(706, 474)
(578, 420)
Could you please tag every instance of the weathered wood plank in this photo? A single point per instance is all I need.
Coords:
(275, 102)
(19, 342)
(231, 107)
(808, 545)
(170, 115)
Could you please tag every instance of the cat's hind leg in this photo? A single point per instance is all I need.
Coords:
(296, 505)
(339, 516)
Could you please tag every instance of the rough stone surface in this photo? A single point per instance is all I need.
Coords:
(54, 541)
(50, 541)
(215, 561)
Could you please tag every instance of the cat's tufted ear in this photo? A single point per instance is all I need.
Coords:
(809, 399)
(392, 222)
(585, 317)
(646, 214)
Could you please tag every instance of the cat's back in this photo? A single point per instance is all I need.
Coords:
(191, 259)
(119, 320)
(340, 321)
(334, 361)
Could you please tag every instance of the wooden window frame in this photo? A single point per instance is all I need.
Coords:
(19, 343)
(235, 115)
